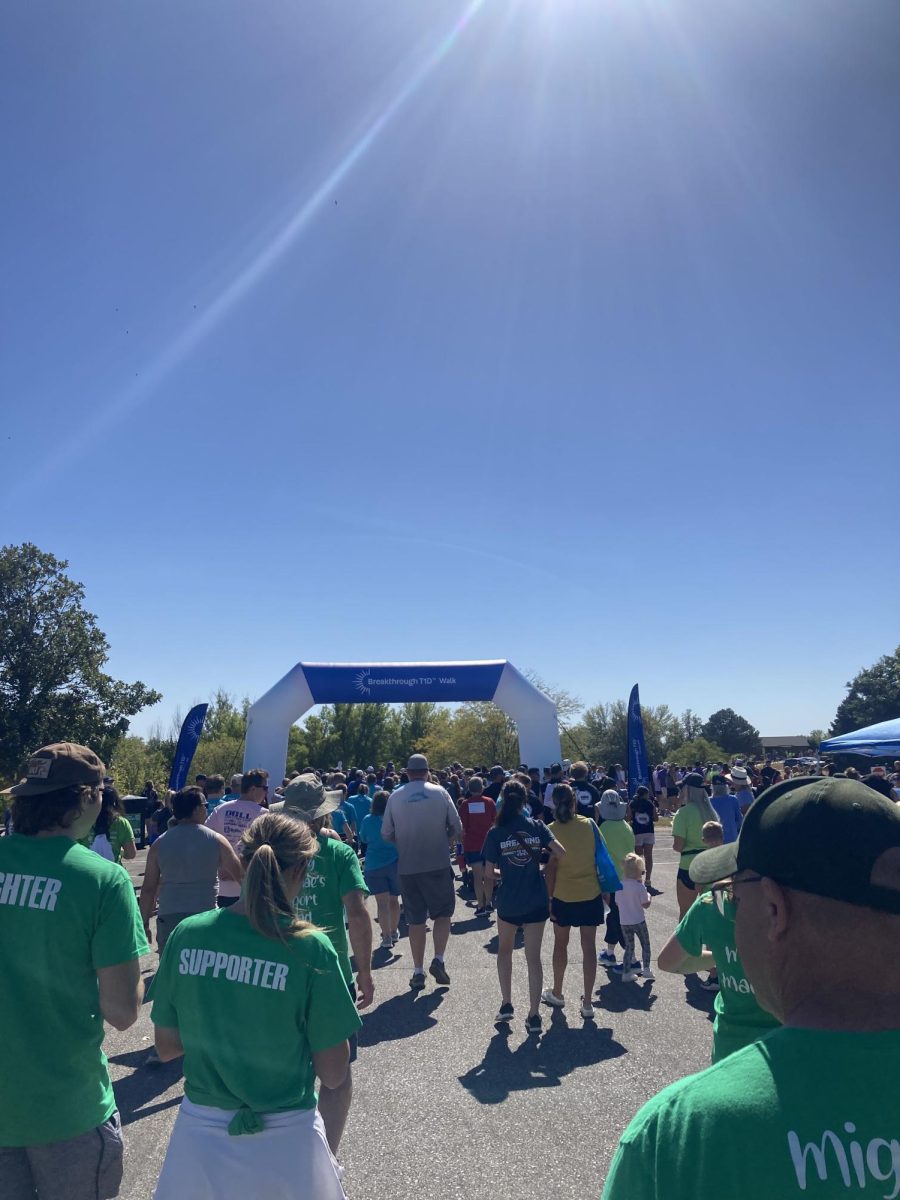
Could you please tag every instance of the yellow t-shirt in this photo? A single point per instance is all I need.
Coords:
(688, 824)
(576, 873)
(619, 838)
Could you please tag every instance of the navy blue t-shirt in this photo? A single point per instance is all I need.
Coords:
(522, 889)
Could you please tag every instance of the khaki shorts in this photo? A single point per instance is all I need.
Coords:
(428, 894)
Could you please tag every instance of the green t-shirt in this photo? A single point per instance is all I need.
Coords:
(120, 834)
(688, 824)
(619, 838)
(251, 1011)
(803, 1113)
(739, 1018)
(331, 874)
(64, 913)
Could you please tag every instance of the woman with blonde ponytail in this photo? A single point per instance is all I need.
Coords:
(256, 1001)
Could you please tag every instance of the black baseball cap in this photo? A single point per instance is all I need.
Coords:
(819, 835)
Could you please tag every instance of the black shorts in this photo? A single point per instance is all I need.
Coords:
(670, 792)
(577, 913)
(685, 878)
(535, 917)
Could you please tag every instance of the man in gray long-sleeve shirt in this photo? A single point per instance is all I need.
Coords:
(422, 821)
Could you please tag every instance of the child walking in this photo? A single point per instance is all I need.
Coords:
(633, 900)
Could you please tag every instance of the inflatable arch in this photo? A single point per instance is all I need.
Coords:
(271, 717)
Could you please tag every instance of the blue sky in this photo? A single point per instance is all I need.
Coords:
(557, 330)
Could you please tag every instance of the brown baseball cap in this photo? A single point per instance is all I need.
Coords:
(60, 765)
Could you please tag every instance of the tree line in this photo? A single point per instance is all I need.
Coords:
(53, 687)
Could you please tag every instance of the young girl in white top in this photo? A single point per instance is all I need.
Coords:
(632, 901)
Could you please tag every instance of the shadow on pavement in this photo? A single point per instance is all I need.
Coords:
(400, 1017)
(618, 997)
(476, 924)
(135, 1091)
(538, 1062)
(697, 998)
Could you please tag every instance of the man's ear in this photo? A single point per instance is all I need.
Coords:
(777, 907)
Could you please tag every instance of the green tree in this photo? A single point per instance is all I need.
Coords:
(52, 653)
(411, 726)
(603, 732)
(134, 762)
(873, 696)
(816, 737)
(699, 750)
(731, 731)
(691, 725)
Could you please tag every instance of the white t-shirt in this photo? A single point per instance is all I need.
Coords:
(232, 819)
(630, 902)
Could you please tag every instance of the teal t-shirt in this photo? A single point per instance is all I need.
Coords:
(251, 1011)
(379, 853)
(739, 1018)
(64, 913)
(331, 874)
(802, 1114)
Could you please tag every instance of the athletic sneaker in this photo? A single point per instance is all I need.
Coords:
(439, 971)
(417, 981)
(533, 1023)
(152, 1059)
(628, 976)
(620, 968)
(648, 974)
(711, 984)
(587, 1009)
(387, 943)
(548, 996)
(395, 937)
(505, 1014)
(605, 959)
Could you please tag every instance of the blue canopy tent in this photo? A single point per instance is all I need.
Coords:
(876, 741)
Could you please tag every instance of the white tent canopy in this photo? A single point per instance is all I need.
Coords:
(270, 719)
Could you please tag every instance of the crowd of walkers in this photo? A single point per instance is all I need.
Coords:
(259, 902)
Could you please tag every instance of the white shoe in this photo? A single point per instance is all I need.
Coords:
(587, 1009)
(387, 943)
(648, 974)
(550, 997)
(628, 976)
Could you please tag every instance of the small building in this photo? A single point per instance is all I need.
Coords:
(785, 747)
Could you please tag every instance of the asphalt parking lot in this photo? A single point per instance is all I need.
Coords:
(445, 1104)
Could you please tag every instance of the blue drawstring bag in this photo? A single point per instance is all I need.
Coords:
(607, 875)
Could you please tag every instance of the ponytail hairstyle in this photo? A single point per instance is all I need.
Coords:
(513, 799)
(112, 808)
(272, 846)
(564, 801)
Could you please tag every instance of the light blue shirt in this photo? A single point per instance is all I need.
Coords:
(728, 810)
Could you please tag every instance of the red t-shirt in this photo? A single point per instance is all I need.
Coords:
(476, 823)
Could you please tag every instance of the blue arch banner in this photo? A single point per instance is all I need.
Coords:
(392, 683)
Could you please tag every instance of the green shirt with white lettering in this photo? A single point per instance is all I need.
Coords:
(333, 873)
(65, 912)
(251, 1011)
(739, 1018)
(802, 1114)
